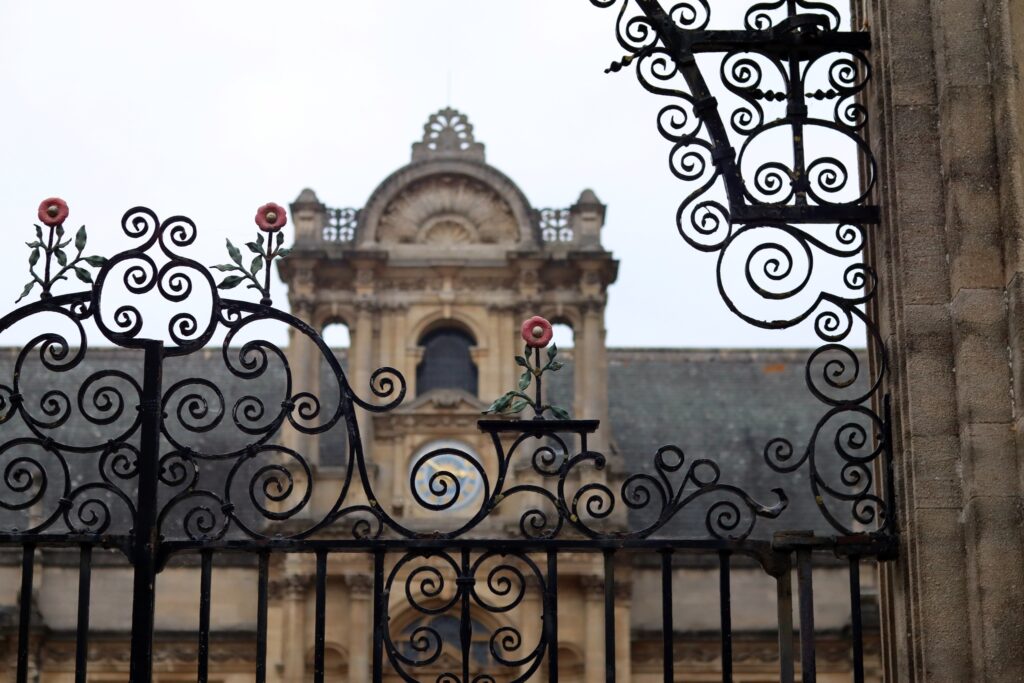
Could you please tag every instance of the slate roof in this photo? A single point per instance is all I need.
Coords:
(722, 405)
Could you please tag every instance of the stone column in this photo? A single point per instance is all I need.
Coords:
(948, 256)
(360, 627)
(292, 589)
(593, 629)
(360, 368)
(595, 357)
(304, 361)
(623, 637)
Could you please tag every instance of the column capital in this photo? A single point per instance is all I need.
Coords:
(292, 587)
(359, 585)
(592, 585)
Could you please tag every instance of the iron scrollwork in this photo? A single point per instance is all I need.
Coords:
(780, 179)
(252, 485)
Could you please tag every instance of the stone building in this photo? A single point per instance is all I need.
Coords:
(432, 276)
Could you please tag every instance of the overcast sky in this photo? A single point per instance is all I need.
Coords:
(210, 109)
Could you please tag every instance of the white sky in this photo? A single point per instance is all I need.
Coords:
(210, 109)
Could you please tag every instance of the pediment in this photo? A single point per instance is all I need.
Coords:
(445, 210)
(444, 401)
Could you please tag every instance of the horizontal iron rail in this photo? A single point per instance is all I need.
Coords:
(881, 546)
(777, 41)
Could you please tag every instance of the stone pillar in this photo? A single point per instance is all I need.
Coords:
(595, 365)
(593, 629)
(293, 589)
(360, 627)
(946, 82)
(360, 368)
(623, 637)
(304, 361)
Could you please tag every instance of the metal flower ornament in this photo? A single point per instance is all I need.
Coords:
(537, 333)
(50, 249)
(270, 218)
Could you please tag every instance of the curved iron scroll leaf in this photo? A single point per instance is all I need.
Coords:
(785, 74)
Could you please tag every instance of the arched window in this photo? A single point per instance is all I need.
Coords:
(447, 363)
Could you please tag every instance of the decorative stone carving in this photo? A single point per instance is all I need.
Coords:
(293, 586)
(448, 133)
(592, 586)
(447, 209)
(359, 585)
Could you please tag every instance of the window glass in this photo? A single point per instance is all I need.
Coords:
(447, 363)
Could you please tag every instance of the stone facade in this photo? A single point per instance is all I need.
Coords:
(949, 126)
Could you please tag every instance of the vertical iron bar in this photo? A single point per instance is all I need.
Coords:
(321, 616)
(784, 592)
(551, 615)
(144, 532)
(725, 606)
(855, 619)
(668, 665)
(261, 618)
(806, 590)
(378, 615)
(465, 625)
(25, 615)
(205, 578)
(609, 617)
(82, 630)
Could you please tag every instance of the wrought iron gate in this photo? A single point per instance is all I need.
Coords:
(144, 488)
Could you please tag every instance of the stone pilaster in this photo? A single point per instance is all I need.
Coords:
(593, 634)
(949, 161)
(360, 626)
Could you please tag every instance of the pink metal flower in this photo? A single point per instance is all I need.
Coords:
(271, 217)
(536, 332)
(53, 211)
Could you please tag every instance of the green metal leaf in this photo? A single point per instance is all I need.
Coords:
(280, 238)
(96, 261)
(524, 380)
(256, 264)
(253, 247)
(225, 267)
(281, 253)
(555, 365)
(39, 233)
(83, 275)
(33, 258)
(259, 240)
(80, 238)
(520, 360)
(24, 292)
(552, 351)
(518, 406)
(559, 413)
(235, 254)
(62, 258)
(501, 403)
(230, 281)
(60, 232)
(33, 245)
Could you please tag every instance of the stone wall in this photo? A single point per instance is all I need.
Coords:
(947, 129)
